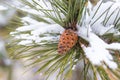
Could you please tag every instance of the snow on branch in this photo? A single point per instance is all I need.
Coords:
(97, 51)
(39, 33)
(104, 17)
(114, 46)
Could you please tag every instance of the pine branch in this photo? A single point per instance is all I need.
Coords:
(44, 54)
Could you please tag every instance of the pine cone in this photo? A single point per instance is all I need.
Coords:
(67, 40)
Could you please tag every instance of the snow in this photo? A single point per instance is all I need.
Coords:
(25, 36)
(37, 38)
(53, 28)
(101, 30)
(94, 40)
(115, 46)
(31, 27)
(36, 30)
(29, 39)
(29, 20)
(25, 42)
(109, 8)
(82, 32)
(39, 33)
(40, 28)
(101, 27)
(47, 39)
(97, 51)
(98, 55)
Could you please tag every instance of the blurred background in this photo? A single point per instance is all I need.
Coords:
(11, 70)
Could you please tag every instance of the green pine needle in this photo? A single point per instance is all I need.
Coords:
(66, 13)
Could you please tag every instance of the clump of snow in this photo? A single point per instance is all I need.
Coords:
(115, 46)
(53, 28)
(97, 51)
(25, 42)
(98, 55)
(40, 28)
(22, 36)
(31, 27)
(82, 32)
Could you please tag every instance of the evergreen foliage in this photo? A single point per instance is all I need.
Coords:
(68, 14)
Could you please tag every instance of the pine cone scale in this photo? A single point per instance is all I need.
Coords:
(67, 40)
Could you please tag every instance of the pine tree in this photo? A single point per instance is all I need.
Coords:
(68, 38)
